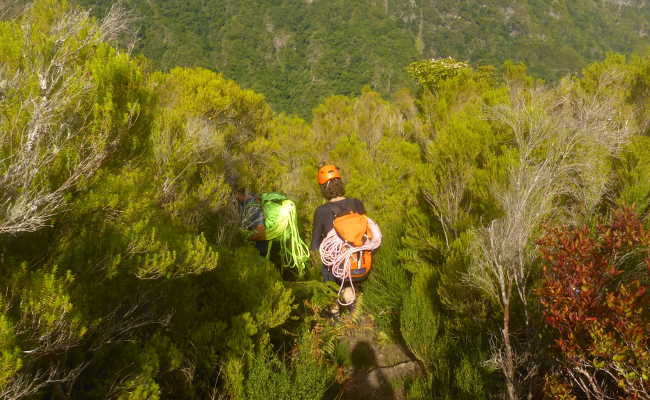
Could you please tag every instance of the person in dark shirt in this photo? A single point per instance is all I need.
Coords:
(332, 188)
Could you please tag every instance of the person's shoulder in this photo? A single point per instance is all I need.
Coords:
(357, 205)
(322, 208)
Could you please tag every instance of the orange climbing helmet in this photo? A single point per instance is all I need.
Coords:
(327, 173)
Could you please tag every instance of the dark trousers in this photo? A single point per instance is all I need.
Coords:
(262, 246)
(327, 275)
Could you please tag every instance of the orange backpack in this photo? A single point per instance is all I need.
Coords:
(353, 229)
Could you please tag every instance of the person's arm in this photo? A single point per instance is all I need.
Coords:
(316, 235)
(317, 231)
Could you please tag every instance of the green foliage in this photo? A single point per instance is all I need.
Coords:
(433, 72)
(140, 238)
(386, 289)
(44, 299)
(305, 376)
(420, 326)
(138, 283)
(466, 154)
(420, 389)
(143, 385)
(298, 53)
(10, 359)
(66, 112)
(632, 170)
(290, 51)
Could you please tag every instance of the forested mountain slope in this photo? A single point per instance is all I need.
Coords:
(298, 51)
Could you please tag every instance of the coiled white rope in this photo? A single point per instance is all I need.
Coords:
(337, 254)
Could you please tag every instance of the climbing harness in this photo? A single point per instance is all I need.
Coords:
(281, 224)
(339, 255)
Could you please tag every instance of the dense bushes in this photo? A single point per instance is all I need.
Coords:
(124, 273)
(595, 300)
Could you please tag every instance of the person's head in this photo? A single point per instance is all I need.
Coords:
(329, 179)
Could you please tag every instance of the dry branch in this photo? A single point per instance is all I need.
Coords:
(58, 122)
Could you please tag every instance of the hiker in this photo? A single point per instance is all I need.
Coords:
(342, 236)
(252, 219)
(272, 217)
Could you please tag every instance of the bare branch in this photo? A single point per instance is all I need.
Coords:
(28, 384)
(52, 340)
(57, 122)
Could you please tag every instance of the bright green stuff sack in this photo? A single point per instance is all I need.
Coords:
(281, 224)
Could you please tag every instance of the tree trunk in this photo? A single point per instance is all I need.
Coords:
(508, 362)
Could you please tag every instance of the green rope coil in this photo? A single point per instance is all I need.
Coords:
(281, 224)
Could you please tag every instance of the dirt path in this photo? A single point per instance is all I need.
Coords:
(377, 366)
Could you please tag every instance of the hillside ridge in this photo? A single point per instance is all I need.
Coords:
(297, 53)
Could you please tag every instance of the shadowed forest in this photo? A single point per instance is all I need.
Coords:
(515, 258)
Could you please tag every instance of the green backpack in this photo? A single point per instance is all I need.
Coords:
(281, 224)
